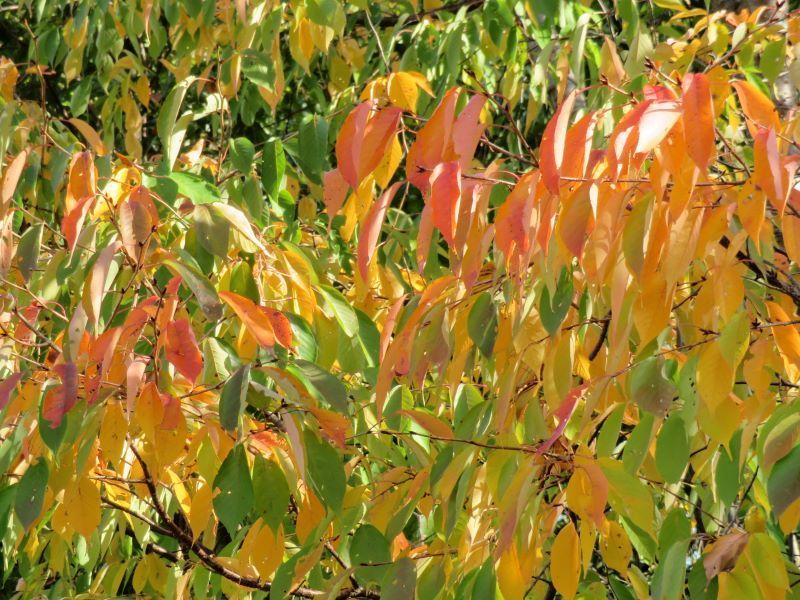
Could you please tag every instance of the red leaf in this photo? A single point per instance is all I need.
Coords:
(698, 118)
(371, 230)
(554, 142)
(62, 398)
(182, 351)
(445, 197)
(6, 387)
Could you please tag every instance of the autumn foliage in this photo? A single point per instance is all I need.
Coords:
(404, 299)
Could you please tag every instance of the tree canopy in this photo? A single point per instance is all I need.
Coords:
(414, 298)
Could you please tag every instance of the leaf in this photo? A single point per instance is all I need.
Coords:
(783, 484)
(445, 198)
(403, 89)
(552, 311)
(563, 413)
(251, 316)
(63, 397)
(482, 323)
(723, 553)
(324, 385)
(242, 154)
(313, 148)
(369, 546)
(182, 350)
(30, 493)
(341, 309)
(233, 489)
(170, 130)
(565, 562)
(28, 250)
(400, 581)
(615, 548)
(138, 221)
(759, 109)
(655, 123)
(371, 230)
(554, 141)
(7, 386)
(203, 290)
(11, 176)
(672, 449)
(650, 389)
(325, 472)
(668, 581)
(273, 167)
(767, 174)
(698, 118)
(786, 337)
(232, 398)
(90, 135)
(195, 188)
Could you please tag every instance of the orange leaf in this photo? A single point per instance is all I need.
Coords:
(554, 142)
(137, 220)
(767, 172)
(182, 351)
(348, 144)
(698, 118)
(10, 179)
(91, 136)
(513, 222)
(251, 316)
(73, 220)
(363, 141)
(786, 336)
(377, 136)
(371, 230)
(334, 191)
(445, 197)
(281, 326)
(756, 106)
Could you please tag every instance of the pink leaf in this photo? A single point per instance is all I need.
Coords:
(554, 142)
(371, 230)
(563, 413)
(6, 387)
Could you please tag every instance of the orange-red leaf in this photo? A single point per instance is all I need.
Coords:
(698, 118)
(334, 191)
(251, 316)
(554, 142)
(428, 150)
(280, 326)
(138, 218)
(767, 173)
(445, 197)
(63, 397)
(7, 386)
(363, 141)
(10, 179)
(182, 351)
(348, 144)
(563, 413)
(371, 230)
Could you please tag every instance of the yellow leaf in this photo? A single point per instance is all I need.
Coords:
(714, 376)
(615, 548)
(91, 136)
(786, 336)
(201, 510)
(565, 562)
(509, 575)
(112, 432)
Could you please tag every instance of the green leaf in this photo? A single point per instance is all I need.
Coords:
(672, 449)
(324, 386)
(273, 167)
(305, 342)
(369, 546)
(28, 250)
(30, 493)
(338, 305)
(482, 323)
(609, 432)
(242, 153)
(271, 492)
(783, 485)
(200, 286)
(650, 389)
(674, 528)
(232, 398)
(169, 128)
(325, 471)
(400, 581)
(313, 148)
(638, 443)
(79, 100)
(212, 230)
(628, 496)
(671, 572)
(552, 311)
(235, 497)
(194, 187)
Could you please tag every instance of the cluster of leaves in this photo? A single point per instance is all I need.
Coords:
(397, 299)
